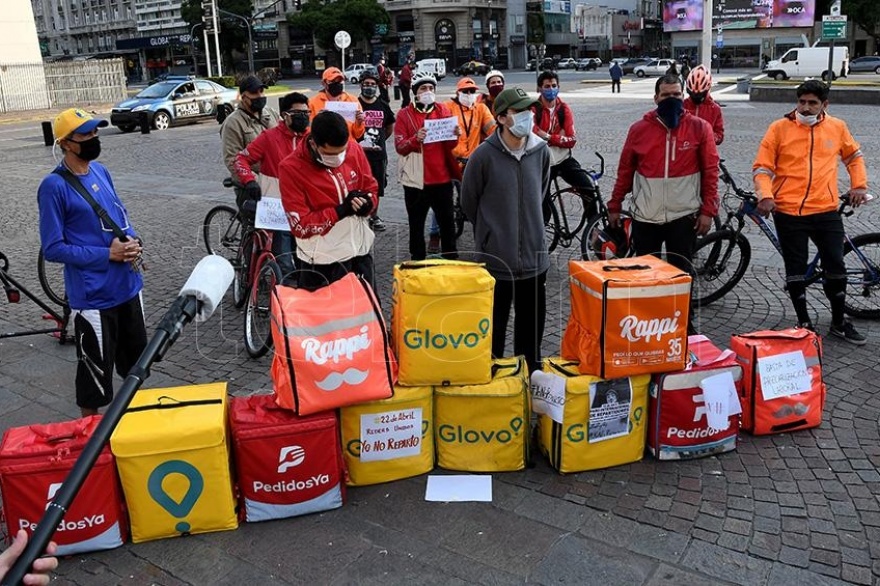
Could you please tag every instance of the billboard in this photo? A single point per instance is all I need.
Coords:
(687, 15)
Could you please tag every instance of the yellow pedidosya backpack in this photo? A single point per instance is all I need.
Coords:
(441, 322)
(617, 434)
(485, 428)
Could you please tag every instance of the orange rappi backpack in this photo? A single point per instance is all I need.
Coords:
(628, 317)
(782, 380)
(331, 347)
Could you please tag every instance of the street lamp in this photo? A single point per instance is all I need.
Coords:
(250, 36)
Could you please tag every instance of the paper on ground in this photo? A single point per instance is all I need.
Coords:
(457, 489)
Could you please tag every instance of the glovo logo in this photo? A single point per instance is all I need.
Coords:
(353, 447)
(184, 506)
(460, 434)
(426, 339)
(579, 432)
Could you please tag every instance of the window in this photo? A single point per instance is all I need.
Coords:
(478, 25)
(206, 87)
(790, 56)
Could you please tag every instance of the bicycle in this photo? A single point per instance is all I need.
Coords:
(14, 289)
(222, 228)
(51, 276)
(255, 275)
(728, 248)
(569, 207)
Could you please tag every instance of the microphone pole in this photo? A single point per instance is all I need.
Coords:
(185, 308)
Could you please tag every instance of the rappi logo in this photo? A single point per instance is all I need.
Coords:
(425, 339)
(634, 329)
(86, 522)
(463, 435)
(321, 352)
(290, 457)
(695, 432)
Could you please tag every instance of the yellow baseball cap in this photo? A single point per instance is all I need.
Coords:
(74, 120)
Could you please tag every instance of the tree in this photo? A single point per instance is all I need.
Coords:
(233, 34)
(324, 18)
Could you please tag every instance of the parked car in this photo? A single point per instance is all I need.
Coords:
(586, 64)
(629, 65)
(353, 72)
(176, 100)
(567, 63)
(473, 67)
(655, 67)
(530, 66)
(870, 64)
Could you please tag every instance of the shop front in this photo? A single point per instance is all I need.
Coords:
(156, 55)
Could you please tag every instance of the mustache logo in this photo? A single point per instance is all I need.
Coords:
(334, 380)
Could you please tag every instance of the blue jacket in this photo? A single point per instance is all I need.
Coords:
(616, 72)
(71, 233)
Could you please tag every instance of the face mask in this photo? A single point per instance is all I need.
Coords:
(427, 98)
(670, 110)
(522, 124)
(298, 121)
(467, 100)
(807, 119)
(336, 88)
(550, 94)
(495, 90)
(90, 149)
(257, 104)
(369, 92)
(699, 97)
(332, 161)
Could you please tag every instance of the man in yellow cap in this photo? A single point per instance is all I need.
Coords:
(333, 82)
(84, 225)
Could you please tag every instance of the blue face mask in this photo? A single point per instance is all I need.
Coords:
(550, 94)
(670, 111)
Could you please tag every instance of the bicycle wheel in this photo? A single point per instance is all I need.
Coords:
(552, 227)
(51, 275)
(257, 316)
(572, 213)
(221, 230)
(863, 276)
(241, 281)
(720, 261)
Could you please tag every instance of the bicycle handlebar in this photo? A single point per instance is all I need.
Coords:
(227, 182)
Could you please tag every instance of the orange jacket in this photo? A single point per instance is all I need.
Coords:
(319, 102)
(476, 126)
(797, 164)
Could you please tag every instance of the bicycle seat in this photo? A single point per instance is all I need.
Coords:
(227, 182)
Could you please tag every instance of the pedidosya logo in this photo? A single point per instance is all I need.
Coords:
(86, 522)
(427, 339)
(290, 457)
(462, 434)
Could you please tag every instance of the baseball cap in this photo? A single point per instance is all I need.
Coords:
(513, 98)
(466, 83)
(251, 83)
(332, 74)
(74, 120)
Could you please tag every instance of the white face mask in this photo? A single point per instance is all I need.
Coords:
(522, 124)
(427, 98)
(467, 100)
(333, 161)
(807, 119)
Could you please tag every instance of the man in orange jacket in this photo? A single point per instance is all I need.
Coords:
(333, 82)
(802, 196)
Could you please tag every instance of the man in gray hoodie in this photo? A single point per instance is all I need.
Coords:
(501, 193)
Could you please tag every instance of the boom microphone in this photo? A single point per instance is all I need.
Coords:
(198, 299)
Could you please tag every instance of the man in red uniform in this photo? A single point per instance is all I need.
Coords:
(701, 104)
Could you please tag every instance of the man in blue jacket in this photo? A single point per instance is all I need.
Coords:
(102, 273)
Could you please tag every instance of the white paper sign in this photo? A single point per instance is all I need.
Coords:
(391, 435)
(347, 110)
(270, 215)
(441, 129)
(548, 394)
(717, 397)
(457, 489)
(610, 404)
(783, 375)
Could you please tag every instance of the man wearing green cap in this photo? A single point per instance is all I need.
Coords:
(501, 194)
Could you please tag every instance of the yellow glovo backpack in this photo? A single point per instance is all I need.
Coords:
(441, 322)
(604, 422)
(485, 428)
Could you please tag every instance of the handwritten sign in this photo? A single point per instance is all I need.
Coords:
(548, 394)
(719, 395)
(784, 375)
(441, 129)
(270, 215)
(391, 435)
(347, 110)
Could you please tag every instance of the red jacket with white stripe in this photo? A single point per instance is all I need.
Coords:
(709, 111)
(267, 151)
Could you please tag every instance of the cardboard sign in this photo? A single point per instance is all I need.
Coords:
(347, 110)
(548, 395)
(440, 129)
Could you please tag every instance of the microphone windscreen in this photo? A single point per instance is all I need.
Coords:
(208, 283)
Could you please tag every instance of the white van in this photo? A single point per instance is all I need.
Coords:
(809, 62)
(436, 67)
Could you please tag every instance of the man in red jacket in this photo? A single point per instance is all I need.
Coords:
(701, 104)
(328, 192)
(266, 153)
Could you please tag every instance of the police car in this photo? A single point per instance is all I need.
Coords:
(175, 100)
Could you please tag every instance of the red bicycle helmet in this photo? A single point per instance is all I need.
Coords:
(699, 80)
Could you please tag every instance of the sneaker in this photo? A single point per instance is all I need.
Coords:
(806, 325)
(434, 244)
(849, 333)
(377, 224)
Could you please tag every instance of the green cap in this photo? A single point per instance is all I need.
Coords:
(513, 98)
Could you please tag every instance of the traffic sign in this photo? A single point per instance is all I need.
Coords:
(342, 40)
(833, 27)
(719, 43)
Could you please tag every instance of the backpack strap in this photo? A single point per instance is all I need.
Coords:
(78, 187)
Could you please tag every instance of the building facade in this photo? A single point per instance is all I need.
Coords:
(82, 27)
(612, 32)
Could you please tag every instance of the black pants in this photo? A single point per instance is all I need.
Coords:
(679, 236)
(313, 276)
(284, 251)
(529, 300)
(383, 93)
(404, 96)
(418, 202)
(378, 166)
(615, 84)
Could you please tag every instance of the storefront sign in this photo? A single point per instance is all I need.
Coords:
(444, 32)
(406, 38)
(147, 42)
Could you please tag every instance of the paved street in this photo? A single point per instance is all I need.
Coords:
(800, 508)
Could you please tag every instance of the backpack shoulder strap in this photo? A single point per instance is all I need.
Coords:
(78, 187)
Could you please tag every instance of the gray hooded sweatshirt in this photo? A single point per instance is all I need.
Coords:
(502, 197)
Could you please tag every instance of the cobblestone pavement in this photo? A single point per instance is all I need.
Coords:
(798, 508)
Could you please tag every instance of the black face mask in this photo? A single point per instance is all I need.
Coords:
(336, 88)
(369, 92)
(698, 97)
(298, 121)
(90, 149)
(670, 111)
(257, 104)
